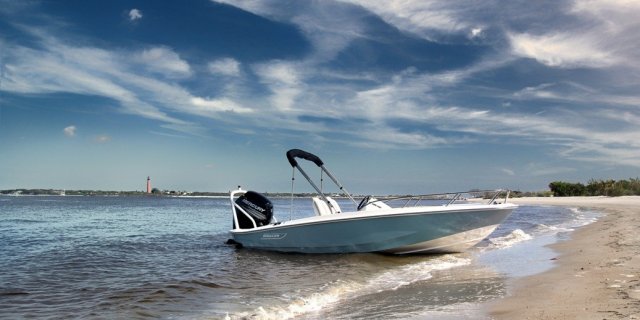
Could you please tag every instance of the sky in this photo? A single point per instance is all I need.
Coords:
(395, 96)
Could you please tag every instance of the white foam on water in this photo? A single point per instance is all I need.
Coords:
(340, 290)
(584, 216)
(581, 217)
(509, 240)
(543, 228)
(395, 279)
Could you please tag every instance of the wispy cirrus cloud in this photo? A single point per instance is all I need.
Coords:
(572, 92)
(413, 96)
(218, 105)
(394, 108)
(605, 37)
(566, 50)
(285, 82)
(134, 83)
(62, 68)
(422, 17)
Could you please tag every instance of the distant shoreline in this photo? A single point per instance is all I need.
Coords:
(66, 192)
(185, 194)
(515, 195)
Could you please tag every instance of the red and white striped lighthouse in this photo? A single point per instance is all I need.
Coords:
(148, 185)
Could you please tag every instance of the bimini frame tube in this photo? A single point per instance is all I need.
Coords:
(342, 188)
(297, 153)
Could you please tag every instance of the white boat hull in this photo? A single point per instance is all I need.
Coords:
(459, 242)
(452, 228)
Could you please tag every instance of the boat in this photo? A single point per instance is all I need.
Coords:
(424, 224)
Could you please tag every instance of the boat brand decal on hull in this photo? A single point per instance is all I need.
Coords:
(273, 236)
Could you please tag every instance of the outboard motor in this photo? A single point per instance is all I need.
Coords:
(257, 206)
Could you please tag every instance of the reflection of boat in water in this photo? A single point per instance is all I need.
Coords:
(397, 225)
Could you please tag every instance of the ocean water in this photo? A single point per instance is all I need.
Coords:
(166, 258)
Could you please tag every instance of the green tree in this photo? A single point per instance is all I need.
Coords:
(567, 189)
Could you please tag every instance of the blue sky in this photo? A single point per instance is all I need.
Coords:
(395, 96)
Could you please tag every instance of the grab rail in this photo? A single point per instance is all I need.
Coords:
(235, 207)
(451, 197)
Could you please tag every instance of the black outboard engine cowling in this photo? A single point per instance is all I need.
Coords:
(257, 206)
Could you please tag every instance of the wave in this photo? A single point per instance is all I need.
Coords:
(584, 217)
(543, 228)
(509, 240)
(579, 217)
(340, 290)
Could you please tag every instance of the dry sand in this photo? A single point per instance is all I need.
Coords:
(597, 272)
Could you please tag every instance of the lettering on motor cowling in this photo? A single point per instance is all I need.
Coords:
(253, 205)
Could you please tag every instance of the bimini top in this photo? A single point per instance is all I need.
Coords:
(297, 153)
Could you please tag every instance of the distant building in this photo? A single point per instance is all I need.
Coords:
(148, 185)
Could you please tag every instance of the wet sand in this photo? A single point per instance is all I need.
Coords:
(597, 272)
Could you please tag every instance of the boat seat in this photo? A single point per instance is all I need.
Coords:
(374, 205)
(321, 208)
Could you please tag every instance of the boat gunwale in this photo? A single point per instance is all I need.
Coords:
(378, 214)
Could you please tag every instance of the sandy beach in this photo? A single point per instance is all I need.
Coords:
(597, 272)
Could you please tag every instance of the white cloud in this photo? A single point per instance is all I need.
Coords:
(543, 91)
(111, 74)
(218, 105)
(409, 97)
(103, 138)
(476, 32)
(508, 171)
(165, 61)
(135, 14)
(328, 25)
(565, 50)
(574, 137)
(225, 66)
(576, 93)
(88, 71)
(279, 72)
(616, 15)
(372, 112)
(419, 17)
(625, 117)
(607, 36)
(284, 80)
(70, 131)
(380, 136)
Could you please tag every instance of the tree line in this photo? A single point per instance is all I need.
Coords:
(609, 188)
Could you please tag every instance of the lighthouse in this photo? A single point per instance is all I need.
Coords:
(148, 185)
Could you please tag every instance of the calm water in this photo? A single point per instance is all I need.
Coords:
(157, 257)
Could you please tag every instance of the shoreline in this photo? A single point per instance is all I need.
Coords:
(596, 273)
